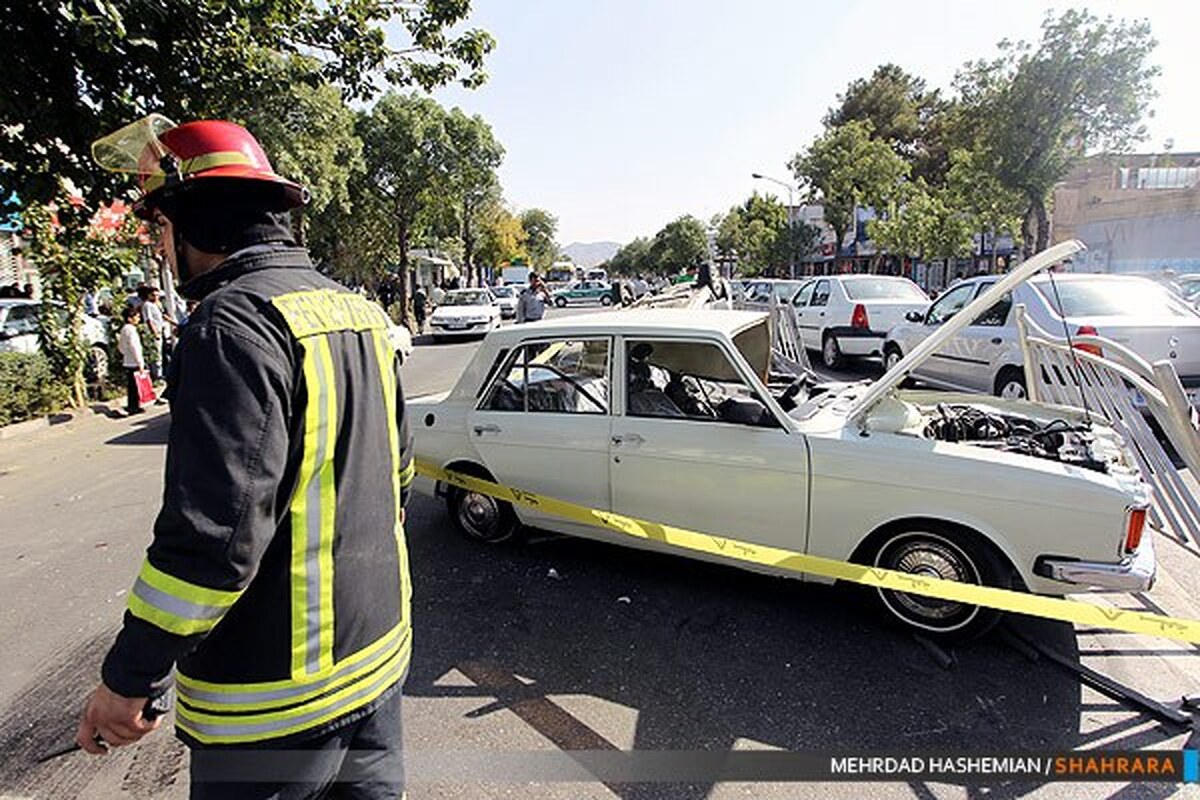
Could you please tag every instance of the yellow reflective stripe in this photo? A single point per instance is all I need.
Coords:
(261, 697)
(407, 474)
(233, 729)
(187, 683)
(176, 605)
(316, 311)
(191, 592)
(328, 511)
(191, 166)
(385, 355)
(1076, 611)
(168, 622)
(313, 519)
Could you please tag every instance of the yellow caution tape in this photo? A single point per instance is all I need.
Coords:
(1185, 630)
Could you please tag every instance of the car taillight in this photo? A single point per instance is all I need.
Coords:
(859, 318)
(1135, 521)
(1088, 330)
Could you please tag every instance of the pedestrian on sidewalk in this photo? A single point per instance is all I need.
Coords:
(152, 316)
(129, 343)
(419, 308)
(278, 596)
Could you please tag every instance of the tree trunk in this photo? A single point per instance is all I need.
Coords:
(1043, 224)
(1028, 234)
(468, 259)
(402, 269)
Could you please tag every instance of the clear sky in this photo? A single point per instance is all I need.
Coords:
(620, 115)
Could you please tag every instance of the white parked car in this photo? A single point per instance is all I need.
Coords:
(465, 312)
(663, 415)
(506, 299)
(850, 315)
(19, 333)
(759, 293)
(985, 356)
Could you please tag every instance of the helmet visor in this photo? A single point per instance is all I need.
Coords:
(136, 149)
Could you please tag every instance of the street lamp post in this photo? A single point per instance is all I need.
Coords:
(791, 223)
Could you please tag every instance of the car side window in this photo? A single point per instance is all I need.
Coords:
(997, 315)
(683, 380)
(21, 319)
(804, 295)
(949, 304)
(820, 295)
(558, 377)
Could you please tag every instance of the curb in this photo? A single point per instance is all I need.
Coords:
(19, 430)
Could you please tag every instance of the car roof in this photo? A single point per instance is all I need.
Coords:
(638, 322)
(18, 301)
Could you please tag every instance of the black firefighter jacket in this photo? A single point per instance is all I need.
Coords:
(277, 579)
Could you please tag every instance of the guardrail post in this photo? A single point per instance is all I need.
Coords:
(1032, 376)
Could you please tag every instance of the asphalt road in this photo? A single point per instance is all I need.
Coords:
(560, 644)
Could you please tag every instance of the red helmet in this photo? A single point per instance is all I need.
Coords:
(167, 156)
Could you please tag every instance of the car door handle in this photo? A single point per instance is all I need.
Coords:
(480, 430)
(997, 340)
(628, 438)
(822, 314)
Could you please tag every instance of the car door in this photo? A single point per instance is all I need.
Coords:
(672, 462)
(543, 424)
(947, 365)
(984, 344)
(800, 304)
(815, 319)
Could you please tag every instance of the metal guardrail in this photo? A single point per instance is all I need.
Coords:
(1116, 386)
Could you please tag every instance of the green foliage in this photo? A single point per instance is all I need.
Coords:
(501, 236)
(680, 244)
(539, 226)
(73, 257)
(472, 186)
(78, 69)
(924, 224)
(1034, 112)
(28, 387)
(846, 167)
(974, 189)
(757, 232)
(633, 259)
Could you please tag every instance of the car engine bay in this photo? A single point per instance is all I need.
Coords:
(1059, 440)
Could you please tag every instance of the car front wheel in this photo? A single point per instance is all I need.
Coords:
(1010, 384)
(949, 554)
(891, 356)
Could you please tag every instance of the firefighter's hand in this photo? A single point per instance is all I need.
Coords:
(115, 719)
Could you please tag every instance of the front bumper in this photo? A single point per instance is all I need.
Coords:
(470, 329)
(1134, 573)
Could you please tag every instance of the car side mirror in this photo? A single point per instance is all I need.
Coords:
(914, 316)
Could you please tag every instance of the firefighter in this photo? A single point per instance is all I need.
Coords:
(277, 580)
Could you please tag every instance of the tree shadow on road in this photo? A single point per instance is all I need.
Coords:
(150, 431)
(711, 656)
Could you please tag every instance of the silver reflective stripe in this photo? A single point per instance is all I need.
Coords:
(279, 727)
(396, 639)
(173, 605)
(312, 558)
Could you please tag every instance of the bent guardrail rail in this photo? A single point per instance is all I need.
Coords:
(1115, 386)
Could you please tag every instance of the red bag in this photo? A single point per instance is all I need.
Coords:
(144, 386)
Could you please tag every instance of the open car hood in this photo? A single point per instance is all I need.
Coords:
(904, 367)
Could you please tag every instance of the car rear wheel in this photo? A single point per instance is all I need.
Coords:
(941, 552)
(606, 300)
(560, 302)
(97, 364)
(480, 517)
(831, 353)
(1010, 384)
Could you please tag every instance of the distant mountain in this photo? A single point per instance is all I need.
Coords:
(589, 254)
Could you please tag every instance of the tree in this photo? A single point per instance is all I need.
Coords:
(680, 244)
(74, 255)
(475, 156)
(972, 188)
(501, 237)
(925, 224)
(897, 105)
(406, 149)
(77, 69)
(1086, 86)
(633, 258)
(540, 226)
(846, 168)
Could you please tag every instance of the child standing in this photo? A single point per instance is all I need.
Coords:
(129, 342)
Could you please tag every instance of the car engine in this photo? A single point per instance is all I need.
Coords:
(1057, 440)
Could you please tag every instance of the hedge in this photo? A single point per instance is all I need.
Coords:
(28, 388)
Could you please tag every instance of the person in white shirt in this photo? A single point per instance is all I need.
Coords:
(129, 342)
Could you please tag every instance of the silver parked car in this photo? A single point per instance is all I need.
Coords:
(986, 355)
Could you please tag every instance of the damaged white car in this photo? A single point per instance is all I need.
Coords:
(666, 415)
